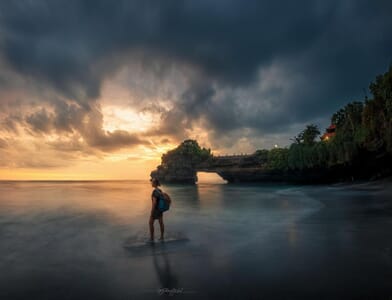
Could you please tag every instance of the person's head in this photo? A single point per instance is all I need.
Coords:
(155, 182)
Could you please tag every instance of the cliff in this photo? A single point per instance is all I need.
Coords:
(180, 164)
(249, 168)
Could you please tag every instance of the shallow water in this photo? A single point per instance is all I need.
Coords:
(65, 240)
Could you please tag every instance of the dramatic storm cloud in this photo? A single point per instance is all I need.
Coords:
(85, 79)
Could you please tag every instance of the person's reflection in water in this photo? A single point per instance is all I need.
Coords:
(163, 269)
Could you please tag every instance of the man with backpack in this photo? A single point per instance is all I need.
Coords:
(160, 203)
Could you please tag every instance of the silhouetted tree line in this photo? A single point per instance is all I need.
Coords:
(363, 132)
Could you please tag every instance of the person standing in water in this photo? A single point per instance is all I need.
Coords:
(155, 212)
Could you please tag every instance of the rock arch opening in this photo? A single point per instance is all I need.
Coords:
(209, 177)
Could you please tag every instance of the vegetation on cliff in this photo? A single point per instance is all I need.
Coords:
(363, 132)
(188, 150)
(179, 164)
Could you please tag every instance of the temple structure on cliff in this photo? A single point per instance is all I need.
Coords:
(329, 132)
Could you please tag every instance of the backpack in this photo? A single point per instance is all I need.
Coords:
(164, 201)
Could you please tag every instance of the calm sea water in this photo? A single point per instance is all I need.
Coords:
(65, 240)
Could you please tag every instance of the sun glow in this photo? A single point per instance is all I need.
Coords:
(121, 118)
(51, 154)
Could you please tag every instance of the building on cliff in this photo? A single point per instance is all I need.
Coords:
(329, 132)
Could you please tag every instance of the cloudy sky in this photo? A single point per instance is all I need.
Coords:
(100, 89)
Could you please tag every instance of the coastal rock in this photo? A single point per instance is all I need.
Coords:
(182, 164)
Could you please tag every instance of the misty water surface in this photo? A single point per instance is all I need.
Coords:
(65, 240)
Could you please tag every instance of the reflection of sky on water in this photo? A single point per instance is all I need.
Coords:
(62, 239)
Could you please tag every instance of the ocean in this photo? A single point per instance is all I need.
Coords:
(85, 240)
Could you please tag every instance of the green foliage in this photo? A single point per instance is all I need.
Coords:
(302, 156)
(378, 112)
(360, 135)
(359, 126)
(348, 118)
(308, 135)
(322, 153)
(278, 159)
(188, 152)
(295, 157)
(350, 133)
(341, 147)
(338, 118)
(262, 156)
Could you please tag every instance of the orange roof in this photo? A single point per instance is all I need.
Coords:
(330, 131)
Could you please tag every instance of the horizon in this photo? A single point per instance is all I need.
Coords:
(203, 177)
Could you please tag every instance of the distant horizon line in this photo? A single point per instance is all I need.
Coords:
(41, 180)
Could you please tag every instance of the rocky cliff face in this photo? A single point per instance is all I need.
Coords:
(179, 173)
(182, 164)
(245, 168)
(248, 169)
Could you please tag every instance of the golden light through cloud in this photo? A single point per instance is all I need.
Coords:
(66, 155)
(135, 164)
(51, 152)
(128, 119)
(119, 138)
(122, 118)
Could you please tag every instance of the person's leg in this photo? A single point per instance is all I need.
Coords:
(151, 223)
(162, 226)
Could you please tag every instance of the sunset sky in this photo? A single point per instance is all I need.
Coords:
(100, 89)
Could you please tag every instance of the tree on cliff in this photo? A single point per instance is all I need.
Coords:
(179, 164)
(262, 156)
(378, 112)
(346, 143)
(308, 135)
(187, 153)
(348, 118)
(277, 159)
(305, 152)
